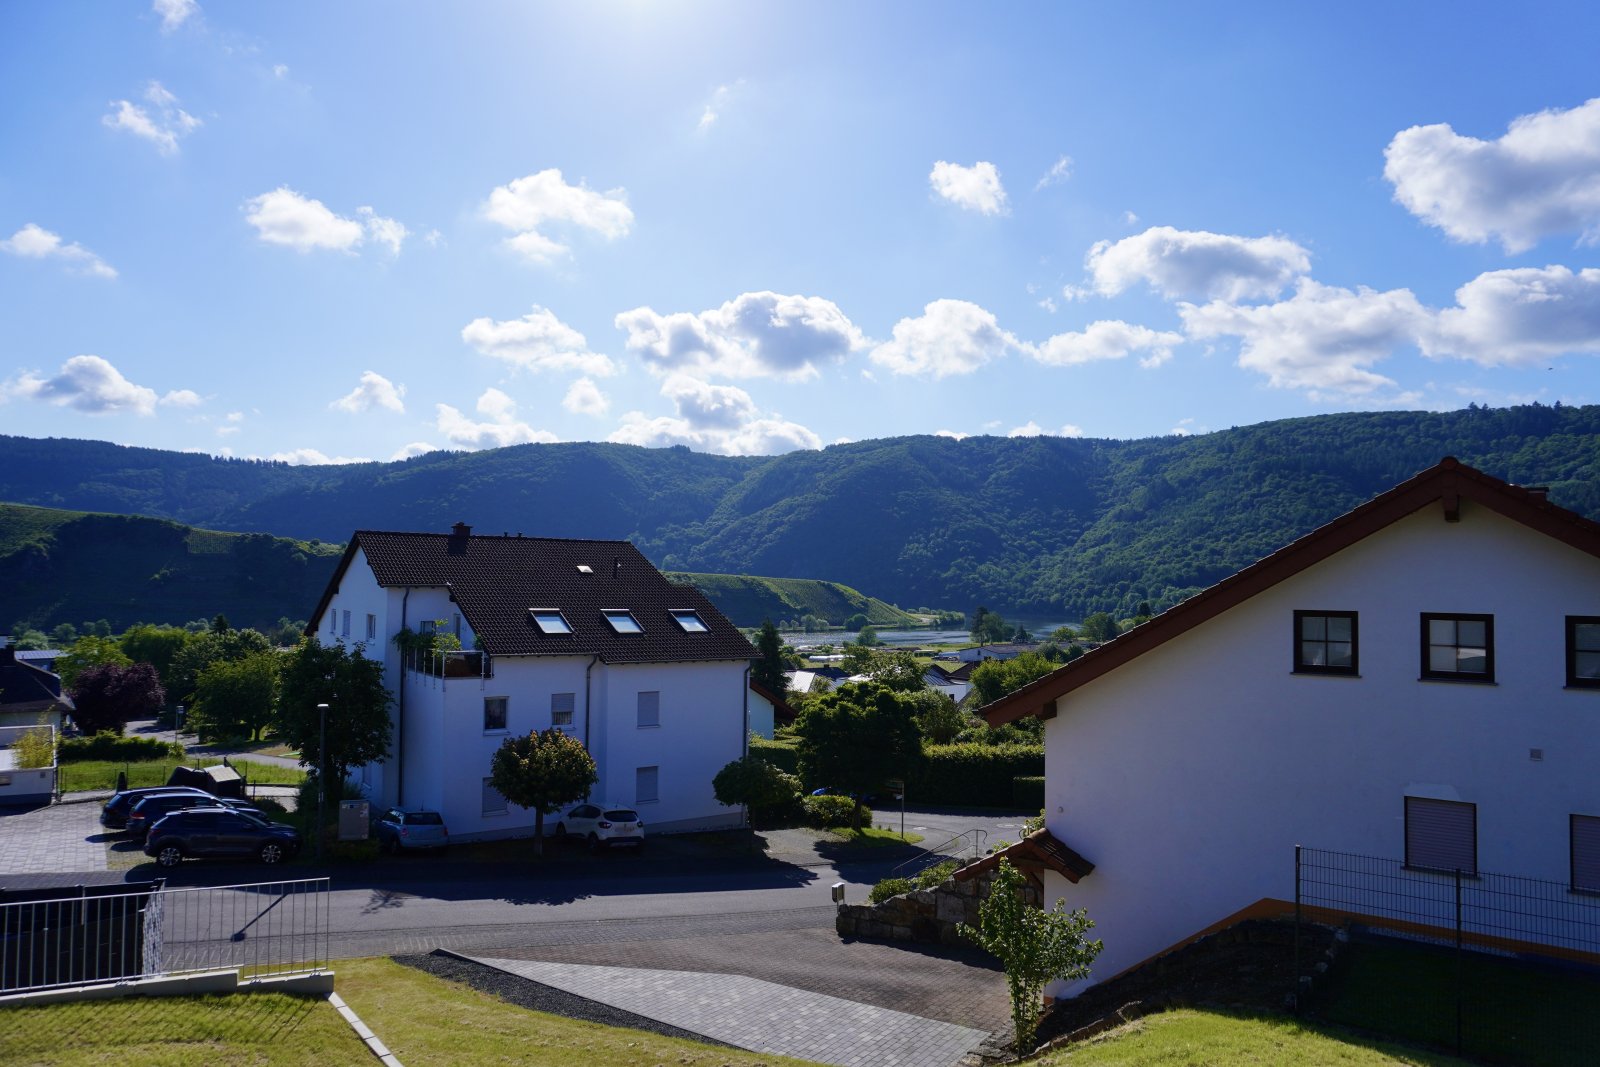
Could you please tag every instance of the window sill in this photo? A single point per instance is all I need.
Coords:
(1303, 673)
(1578, 891)
(495, 814)
(650, 726)
(496, 733)
(1589, 687)
(1457, 681)
(642, 803)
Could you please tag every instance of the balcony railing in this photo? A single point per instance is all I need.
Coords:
(451, 664)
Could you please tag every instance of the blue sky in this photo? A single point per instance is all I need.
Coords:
(362, 230)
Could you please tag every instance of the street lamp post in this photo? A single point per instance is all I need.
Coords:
(322, 774)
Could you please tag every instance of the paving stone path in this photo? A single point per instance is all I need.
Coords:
(761, 1016)
(64, 837)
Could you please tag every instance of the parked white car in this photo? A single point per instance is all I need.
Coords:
(601, 826)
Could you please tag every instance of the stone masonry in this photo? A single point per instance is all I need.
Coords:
(928, 915)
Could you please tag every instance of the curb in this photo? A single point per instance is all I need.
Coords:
(379, 1049)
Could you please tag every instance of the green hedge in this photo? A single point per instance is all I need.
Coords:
(784, 755)
(110, 746)
(973, 774)
(832, 813)
(1028, 792)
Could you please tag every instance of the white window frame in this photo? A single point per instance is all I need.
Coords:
(344, 628)
(534, 613)
(372, 627)
(678, 614)
(611, 616)
(648, 712)
(569, 711)
(507, 714)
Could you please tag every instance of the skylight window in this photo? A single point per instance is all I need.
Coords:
(690, 620)
(622, 621)
(550, 620)
(584, 568)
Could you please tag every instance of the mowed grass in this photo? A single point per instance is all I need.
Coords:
(1189, 1038)
(94, 775)
(429, 1021)
(875, 836)
(262, 1029)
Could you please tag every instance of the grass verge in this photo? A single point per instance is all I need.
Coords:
(875, 836)
(426, 1021)
(1189, 1038)
(96, 775)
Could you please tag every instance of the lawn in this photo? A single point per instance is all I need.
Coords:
(93, 775)
(876, 836)
(1189, 1038)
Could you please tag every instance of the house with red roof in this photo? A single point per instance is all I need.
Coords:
(1417, 679)
(584, 636)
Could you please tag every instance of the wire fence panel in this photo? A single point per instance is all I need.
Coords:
(120, 933)
(1499, 967)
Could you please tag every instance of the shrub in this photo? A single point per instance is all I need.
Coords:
(827, 813)
(932, 877)
(1028, 791)
(889, 887)
(113, 746)
(33, 748)
(973, 773)
(784, 755)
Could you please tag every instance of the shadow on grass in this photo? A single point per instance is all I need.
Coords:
(240, 1020)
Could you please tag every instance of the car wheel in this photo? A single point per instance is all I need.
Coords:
(271, 852)
(388, 845)
(594, 843)
(169, 856)
(561, 831)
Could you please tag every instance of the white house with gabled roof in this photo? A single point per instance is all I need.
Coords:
(584, 636)
(1418, 679)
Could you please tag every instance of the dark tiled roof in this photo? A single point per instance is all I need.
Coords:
(1039, 849)
(496, 579)
(23, 683)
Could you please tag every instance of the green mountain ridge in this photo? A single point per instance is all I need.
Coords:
(748, 600)
(1036, 526)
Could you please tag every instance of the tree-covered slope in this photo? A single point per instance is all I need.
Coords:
(1035, 525)
(748, 600)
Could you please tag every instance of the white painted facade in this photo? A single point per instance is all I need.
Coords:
(763, 716)
(440, 750)
(1188, 775)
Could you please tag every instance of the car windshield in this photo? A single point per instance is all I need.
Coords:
(622, 815)
(424, 818)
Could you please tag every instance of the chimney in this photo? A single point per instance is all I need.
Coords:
(459, 533)
(616, 566)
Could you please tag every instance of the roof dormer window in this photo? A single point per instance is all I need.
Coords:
(550, 620)
(690, 620)
(622, 621)
(584, 568)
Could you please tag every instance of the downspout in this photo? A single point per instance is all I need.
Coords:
(400, 729)
(586, 672)
(744, 738)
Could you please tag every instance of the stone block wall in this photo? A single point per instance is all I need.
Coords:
(928, 915)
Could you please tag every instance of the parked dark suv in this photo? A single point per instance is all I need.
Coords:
(149, 810)
(114, 816)
(219, 832)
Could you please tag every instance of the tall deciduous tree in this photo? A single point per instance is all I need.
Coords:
(542, 771)
(895, 669)
(156, 645)
(108, 696)
(995, 678)
(1036, 947)
(988, 627)
(857, 737)
(234, 697)
(768, 670)
(89, 652)
(205, 648)
(357, 724)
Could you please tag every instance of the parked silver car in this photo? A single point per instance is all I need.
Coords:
(600, 826)
(399, 830)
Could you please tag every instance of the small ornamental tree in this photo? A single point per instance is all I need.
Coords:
(542, 771)
(237, 697)
(995, 678)
(752, 782)
(1036, 947)
(108, 696)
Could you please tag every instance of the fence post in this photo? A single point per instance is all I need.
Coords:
(1296, 993)
(1458, 961)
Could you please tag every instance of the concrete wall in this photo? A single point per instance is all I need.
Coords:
(1188, 776)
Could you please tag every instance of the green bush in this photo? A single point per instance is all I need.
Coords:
(889, 887)
(973, 774)
(828, 813)
(1028, 792)
(931, 877)
(112, 746)
(784, 755)
(34, 748)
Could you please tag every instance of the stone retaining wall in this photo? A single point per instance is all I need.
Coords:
(928, 915)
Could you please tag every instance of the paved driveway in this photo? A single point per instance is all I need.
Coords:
(62, 837)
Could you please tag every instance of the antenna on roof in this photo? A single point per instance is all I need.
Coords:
(616, 566)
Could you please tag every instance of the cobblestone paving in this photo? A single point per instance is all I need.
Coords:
(762, 1016)
(62, 837)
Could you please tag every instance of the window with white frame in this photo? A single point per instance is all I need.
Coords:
(561, 705)
(494, 714)
(1586, 853)
(344, 629)
(372, 627)
(646, 785)
(333, 622)
(1441, 835)
(1458, 648)
(649, 709)
(550, 620)
(690, 621)
(494, 802)
(622, 621)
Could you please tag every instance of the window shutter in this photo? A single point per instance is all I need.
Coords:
(1586, 853)
(646, 784)
(561, 705)
(493, 802)
(1441, 835)
(650, 708)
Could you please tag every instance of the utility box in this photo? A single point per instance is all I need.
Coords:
(354, 824)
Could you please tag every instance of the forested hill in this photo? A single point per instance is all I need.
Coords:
(1037, 525)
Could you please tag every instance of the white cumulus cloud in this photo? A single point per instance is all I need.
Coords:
(537, 341)
(1520, 317)
(372, 391)
(35, 242)
(1033, 429)
(1323, 338)
(163, 124)
(1540, 178)
(949, 337)
(410, 451)
(1196, 265)
(391, 233)
(180, 398)
(718, 103)
(501, 428)
(310, 457)
(527, 204)
(753, 335)
(174, 13)
(92, 385)
(1059, 172)
(284, 217)
(713, 418)
(585, 398)
(975, 188)
(1108, 339)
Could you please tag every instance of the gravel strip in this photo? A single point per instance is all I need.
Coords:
(536, 996)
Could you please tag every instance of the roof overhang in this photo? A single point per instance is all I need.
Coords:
(1040, 850)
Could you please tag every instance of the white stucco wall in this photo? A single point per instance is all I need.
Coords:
(763, 716)
(1188, 776)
